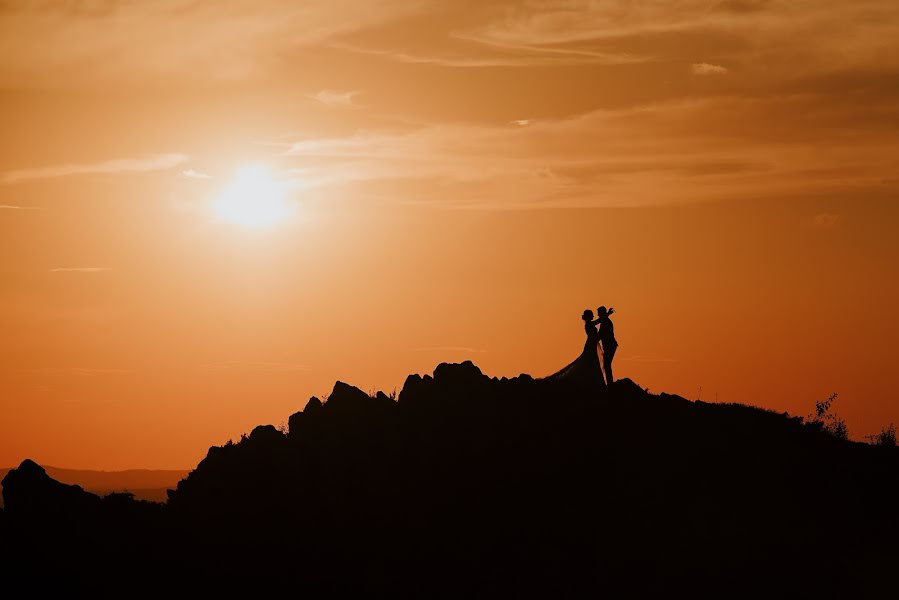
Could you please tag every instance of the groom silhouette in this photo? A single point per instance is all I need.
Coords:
(607, 338)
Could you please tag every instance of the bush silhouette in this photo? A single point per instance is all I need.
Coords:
(886, 438)
(828, 420)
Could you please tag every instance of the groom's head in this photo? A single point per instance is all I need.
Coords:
(602, 312)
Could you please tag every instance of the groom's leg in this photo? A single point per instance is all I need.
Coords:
(602, 360)
(607, 364)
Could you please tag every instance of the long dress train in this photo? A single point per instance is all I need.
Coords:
(586, 367)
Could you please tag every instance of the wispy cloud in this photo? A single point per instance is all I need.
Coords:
(192, 174)
(11, 207)
(521, 122)
(172, 40)
(826, 220)
(519, 56)
(79, 269)
(649, 359)
(708, 69)
(776, 35)
(649, 155)
(122, 165)
(78, 371)
(332, 98)
(256, 366)
(453, 349)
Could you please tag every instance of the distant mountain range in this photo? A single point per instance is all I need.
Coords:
(145, 484)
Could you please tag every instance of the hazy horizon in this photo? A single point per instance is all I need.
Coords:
(209, 214)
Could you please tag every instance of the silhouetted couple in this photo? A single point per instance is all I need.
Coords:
(600, 334)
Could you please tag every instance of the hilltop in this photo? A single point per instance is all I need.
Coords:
(145, 484)
(478, 486)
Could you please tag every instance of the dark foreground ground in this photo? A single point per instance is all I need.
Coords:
(471, 486)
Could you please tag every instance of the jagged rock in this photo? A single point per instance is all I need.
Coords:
(265, 435)
(384, 401)
(627, 388)
(214, 451)
(29, 492)
(295, 423)
(345, 398)
(348, 400)
(313, 406)
(414, 386)
(456, 374)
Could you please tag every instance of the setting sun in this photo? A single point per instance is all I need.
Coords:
(254, 198)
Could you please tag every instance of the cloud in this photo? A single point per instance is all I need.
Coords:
(521, 122)
(150, 41)
(332, 98)
(826, 220)
(456, 349)
(696, 150)
(553, 23)
(742, 6)
(79, 269)
(772, 37)
(256, 366)
(78, 371)
(192, 174)
(708, 69)
(520, 56)
(11, 207)
(147, 42)
(123, 165)
(648, 359)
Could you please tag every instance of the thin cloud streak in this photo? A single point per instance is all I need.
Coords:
(78, 371)
(528, 57)
(826, 221)
(708, 69)
(457, 349)
(256, 366)
(158, 162)
(192, 174)
(649, 359)
(332, 98)
(79, 269)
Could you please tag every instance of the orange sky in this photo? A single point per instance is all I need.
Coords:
(466, 177)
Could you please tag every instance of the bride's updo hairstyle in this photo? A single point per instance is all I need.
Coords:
(588, 315)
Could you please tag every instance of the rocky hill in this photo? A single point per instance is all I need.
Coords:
(477, 486)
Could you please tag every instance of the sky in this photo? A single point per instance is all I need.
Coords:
(210, 211)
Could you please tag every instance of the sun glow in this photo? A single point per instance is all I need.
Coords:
(254, 198)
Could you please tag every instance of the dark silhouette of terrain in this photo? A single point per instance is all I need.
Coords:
(476, 486)
(145, 484)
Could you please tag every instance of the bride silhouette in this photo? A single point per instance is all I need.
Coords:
(585, 367)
